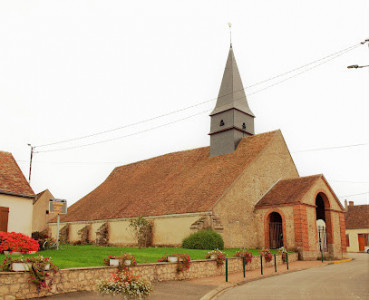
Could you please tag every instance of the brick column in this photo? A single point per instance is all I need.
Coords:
(301, 227)
(343, 232)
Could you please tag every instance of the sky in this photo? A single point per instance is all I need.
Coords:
(71, 69)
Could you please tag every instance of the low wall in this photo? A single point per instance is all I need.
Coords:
(84, 279)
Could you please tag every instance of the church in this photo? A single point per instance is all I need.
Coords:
(245, 186)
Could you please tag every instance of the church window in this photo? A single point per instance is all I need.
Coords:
(221, 123)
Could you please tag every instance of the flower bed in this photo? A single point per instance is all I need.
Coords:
(17, 242)
(125, 284)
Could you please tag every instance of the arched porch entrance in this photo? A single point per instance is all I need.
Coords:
(323, 223)
(275, 225)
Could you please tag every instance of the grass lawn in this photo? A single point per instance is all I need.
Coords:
(90, 256)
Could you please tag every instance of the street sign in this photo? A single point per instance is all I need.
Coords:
(57, 206)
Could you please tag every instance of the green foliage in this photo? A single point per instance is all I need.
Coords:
(70, 256)
(142, 230)
(204, 239)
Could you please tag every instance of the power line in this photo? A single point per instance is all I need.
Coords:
(324, 60)
(120, 137)
(365, 193)
(329, 148)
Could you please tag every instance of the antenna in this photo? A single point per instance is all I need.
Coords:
(230, 33)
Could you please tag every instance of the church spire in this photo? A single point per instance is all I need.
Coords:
(232, 118)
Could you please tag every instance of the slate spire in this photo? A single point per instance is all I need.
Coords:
(232, 118)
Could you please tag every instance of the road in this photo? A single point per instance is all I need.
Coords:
(348, 280)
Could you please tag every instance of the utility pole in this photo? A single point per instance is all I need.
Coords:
(30, 163)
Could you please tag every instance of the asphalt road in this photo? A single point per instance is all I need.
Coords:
(348, 280)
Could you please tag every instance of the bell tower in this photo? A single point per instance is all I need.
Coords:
(231, 119)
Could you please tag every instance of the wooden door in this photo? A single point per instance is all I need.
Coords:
(363, 241)
(4, 212)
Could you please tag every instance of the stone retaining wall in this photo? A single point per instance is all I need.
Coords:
(15, 285)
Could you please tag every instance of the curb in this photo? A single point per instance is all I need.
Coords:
(341, 261)
(213, 294)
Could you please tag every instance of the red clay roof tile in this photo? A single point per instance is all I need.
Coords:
(357, 216)
(182, 182)
(12, 179)
(288, 191)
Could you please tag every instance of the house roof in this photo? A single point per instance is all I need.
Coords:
(357, 216)
(288, 191)
(176, 183)
(12, 180)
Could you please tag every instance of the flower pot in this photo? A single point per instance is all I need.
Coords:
(172, 258)
(20, 267)
(6, 252)
(114, 262)
(47, 267)
(127, 262)
(31, 252)
(213, 256)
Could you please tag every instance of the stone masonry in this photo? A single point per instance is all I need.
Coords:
(16, 285)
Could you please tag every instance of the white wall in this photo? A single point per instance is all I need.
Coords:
(20, 213)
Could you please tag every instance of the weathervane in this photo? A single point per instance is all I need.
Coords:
(230, 33)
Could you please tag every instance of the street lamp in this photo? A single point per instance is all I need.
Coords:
(356, 66)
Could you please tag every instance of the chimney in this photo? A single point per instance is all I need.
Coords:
(345, 204)
(351, 203)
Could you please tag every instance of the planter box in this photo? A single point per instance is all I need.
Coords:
(127, 262)
(172, 258)
(114, 262)
(20, 267)
(12, 253)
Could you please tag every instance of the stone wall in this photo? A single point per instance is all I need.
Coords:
(84, 279)
(168, 230)
(235, 209)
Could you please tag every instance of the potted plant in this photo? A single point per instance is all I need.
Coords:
(126, 284)
(40, 269)
(267, 255)
(183, 260)
(244, 253)
(283, 252)
(121, 261)
(218, 255)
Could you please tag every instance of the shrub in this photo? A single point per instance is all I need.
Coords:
(18, 242)
(204, 239)
(40, 237)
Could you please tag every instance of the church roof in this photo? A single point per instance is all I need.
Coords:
(12, 180)
(357, 216)
(288, 191)
(176, 183)
(231, 93)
